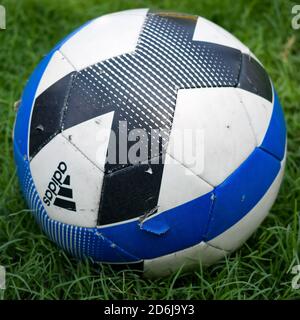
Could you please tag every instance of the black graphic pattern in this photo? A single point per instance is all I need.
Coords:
(141, 88)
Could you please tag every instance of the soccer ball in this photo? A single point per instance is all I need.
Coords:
(151, 139)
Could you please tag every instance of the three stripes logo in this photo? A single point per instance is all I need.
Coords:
(59, 189)
(63, 193)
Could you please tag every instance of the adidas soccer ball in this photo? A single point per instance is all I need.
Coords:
(150, 138)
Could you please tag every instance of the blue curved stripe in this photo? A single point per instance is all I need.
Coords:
(275, 138)
(186, 226)
(241, 191)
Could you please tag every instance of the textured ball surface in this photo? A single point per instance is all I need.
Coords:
(150, 138)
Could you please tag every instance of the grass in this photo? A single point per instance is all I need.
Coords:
(37, 269)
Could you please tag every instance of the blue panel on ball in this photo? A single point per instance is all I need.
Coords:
(170, 231)
(275, 138)
(241, 191)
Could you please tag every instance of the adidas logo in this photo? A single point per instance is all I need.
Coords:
(59, 191)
